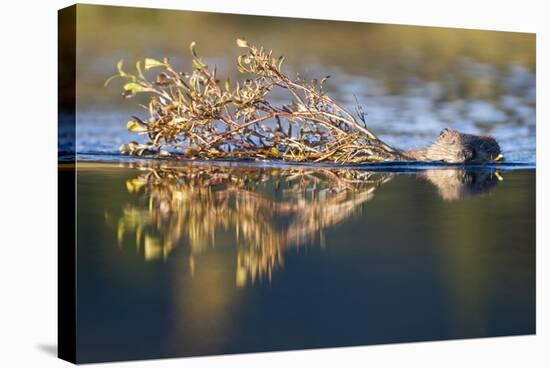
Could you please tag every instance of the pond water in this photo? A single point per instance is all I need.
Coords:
(194, 259)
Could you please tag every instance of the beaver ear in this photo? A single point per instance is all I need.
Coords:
(445, 130)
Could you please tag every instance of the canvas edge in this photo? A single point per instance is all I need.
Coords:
(66, 189)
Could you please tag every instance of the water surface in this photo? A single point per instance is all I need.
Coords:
(182, 260)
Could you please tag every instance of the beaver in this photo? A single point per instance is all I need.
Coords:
(454, 147)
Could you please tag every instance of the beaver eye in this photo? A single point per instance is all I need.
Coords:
(445, 130)
(467, 155)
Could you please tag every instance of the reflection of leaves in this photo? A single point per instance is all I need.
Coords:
(134, 185)
(193, 203)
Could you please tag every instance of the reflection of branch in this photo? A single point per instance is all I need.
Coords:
(194, 203)
(269, 210)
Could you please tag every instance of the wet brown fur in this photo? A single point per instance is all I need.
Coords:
(453, 146)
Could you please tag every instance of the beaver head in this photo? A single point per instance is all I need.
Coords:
(453, 146)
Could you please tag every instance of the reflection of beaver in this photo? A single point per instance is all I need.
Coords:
(455, 147)
(459, 184)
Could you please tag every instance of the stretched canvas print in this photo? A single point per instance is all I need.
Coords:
(237, 183)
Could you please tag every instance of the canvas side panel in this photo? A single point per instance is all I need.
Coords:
(66, 325)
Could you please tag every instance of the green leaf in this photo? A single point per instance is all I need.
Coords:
(121, 73)
(133, 87)
(240, 64)
(138, 68)
(192, 49)
(119, 67)
(241, 42)
(135, 126)
(110, 79)
(153, 63)
(198, 64)
(281, 60)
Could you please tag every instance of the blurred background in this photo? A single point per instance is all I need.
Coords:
(411, 81)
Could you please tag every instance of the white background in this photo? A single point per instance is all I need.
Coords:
(28, 230)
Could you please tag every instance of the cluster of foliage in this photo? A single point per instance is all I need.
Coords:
(198, 115)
